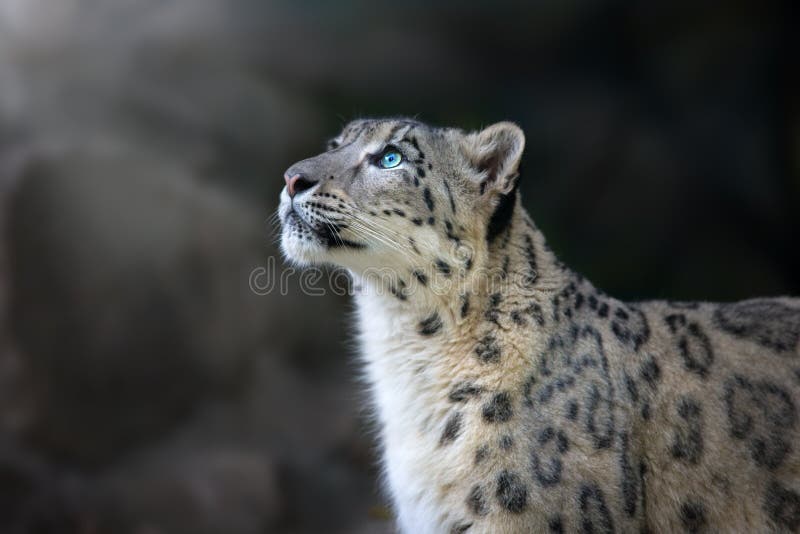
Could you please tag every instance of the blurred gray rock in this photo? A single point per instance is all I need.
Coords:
(130, 299)
(194, 492)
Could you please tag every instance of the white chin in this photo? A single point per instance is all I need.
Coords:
(303, 252)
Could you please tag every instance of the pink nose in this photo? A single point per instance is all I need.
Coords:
(297, 183)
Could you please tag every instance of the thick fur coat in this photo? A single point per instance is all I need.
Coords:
(513, 395)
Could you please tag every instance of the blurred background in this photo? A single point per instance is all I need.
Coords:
(145, 388)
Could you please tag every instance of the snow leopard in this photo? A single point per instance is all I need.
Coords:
(511, 394)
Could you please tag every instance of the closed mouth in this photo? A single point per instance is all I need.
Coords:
(328, 234)
(295, 218)
(334, 240)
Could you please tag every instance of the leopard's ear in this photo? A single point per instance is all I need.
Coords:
(495, 153)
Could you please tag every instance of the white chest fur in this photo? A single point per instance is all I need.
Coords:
(410, 399)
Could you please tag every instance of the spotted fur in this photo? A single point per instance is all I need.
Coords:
(514, 396)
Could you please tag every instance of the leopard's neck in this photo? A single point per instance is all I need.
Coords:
(515, 265)
(417, 356)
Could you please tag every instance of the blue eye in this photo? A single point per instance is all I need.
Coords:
(391, 158)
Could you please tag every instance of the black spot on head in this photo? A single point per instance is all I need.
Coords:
(506, 442)
(417, 221)
(426, 196)
(415, 144)
(498, 409)
(449, 195)
(451, 429)
(602, 311)
(511, 492)
(443, 267)
(476, 501)
(430, 325)
(420, 172)
(431, 221)
(503, 212)
(481, 454)
(421, 277)
(693, 516)
(783, 506)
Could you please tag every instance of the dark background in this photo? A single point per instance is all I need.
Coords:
(145, 388)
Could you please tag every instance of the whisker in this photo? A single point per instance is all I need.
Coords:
(334, 232)
(273, 223)
(333, 227)
(376, 226)
(365, 230)
(275, 216)
(359, 227)
(377, 235)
